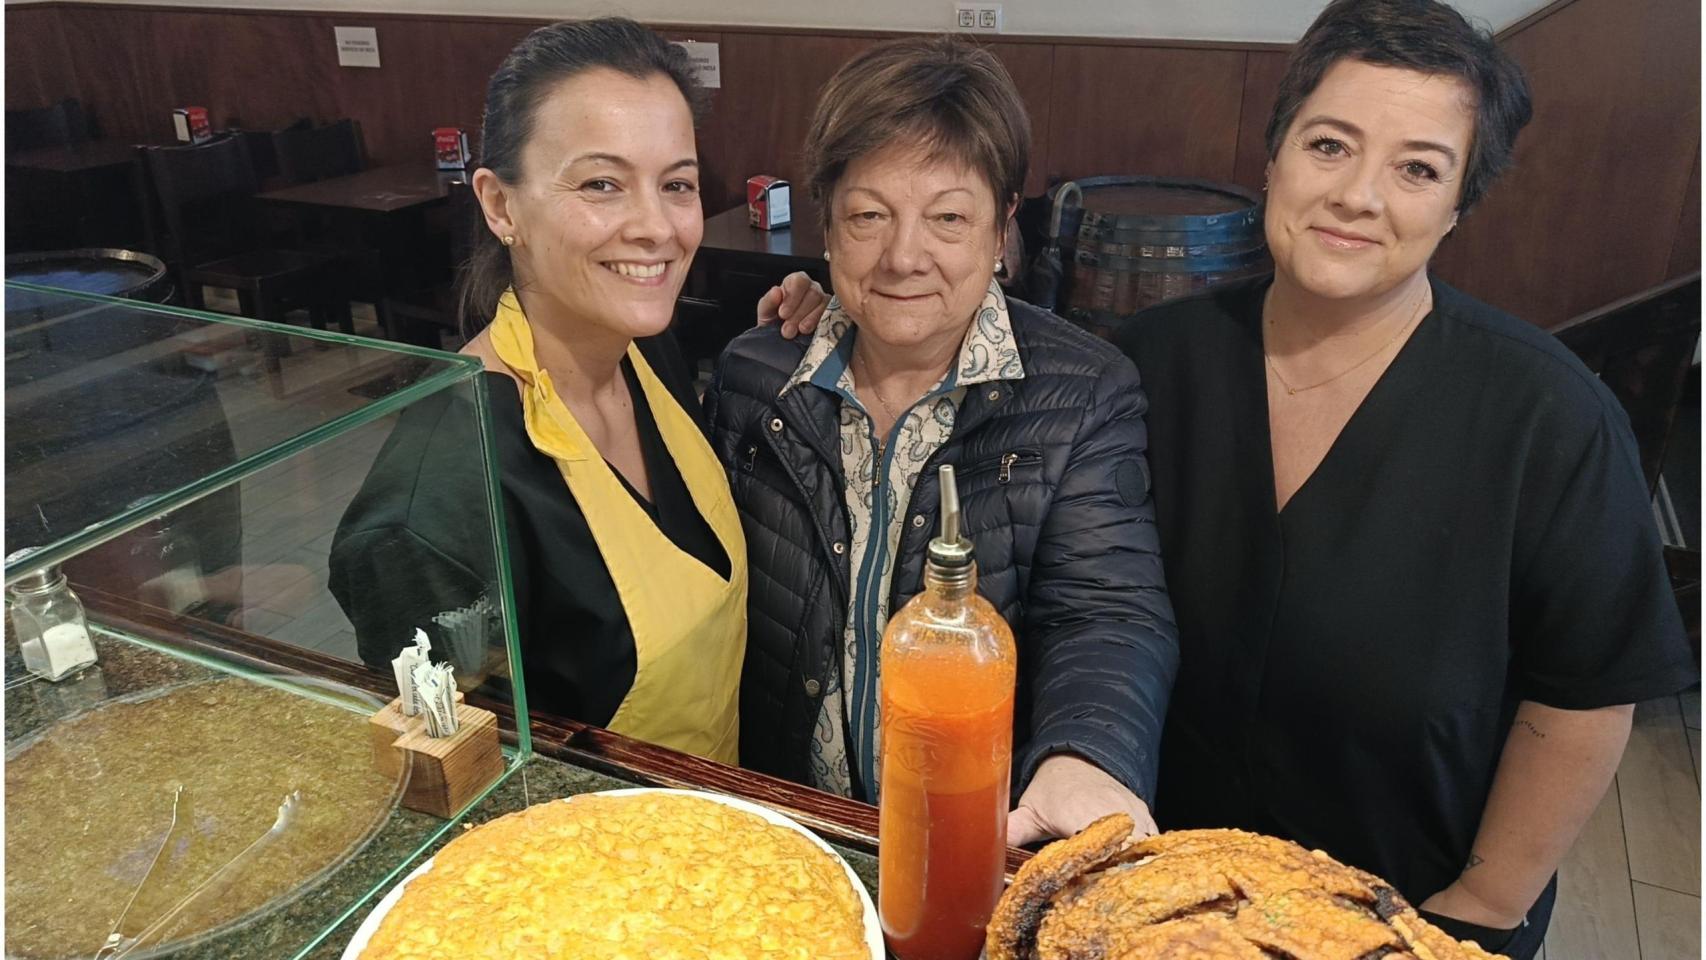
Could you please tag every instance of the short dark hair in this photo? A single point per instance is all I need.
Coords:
(953, 99)
(1423, 35)
(542, 60)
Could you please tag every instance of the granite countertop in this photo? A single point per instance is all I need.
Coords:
(276, 933)
(357, 884)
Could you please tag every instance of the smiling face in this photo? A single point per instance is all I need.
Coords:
(606, 216)
(1366, 182)
(912, 244)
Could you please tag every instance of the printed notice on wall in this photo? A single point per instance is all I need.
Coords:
(357, 46)
(707, 63)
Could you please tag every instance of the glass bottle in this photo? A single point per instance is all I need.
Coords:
(53, 631)
(946, 699)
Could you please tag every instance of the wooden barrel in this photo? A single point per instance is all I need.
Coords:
(1136, 241)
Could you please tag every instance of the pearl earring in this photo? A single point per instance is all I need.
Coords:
(826, 255)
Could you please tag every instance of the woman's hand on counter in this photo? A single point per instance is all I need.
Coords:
(1067, 794)
(797, 302)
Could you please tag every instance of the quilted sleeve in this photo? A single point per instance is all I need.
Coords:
(1097, 618)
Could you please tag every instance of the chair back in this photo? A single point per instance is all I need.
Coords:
(309, 154)
(63, 123)
(203, 195)
(1643, 348)
(261, 149)
(466, 219)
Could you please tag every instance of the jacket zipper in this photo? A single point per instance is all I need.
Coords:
(1004, 464)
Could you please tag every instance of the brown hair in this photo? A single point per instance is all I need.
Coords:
(1423, 35)
(949, 97)
(543, 59)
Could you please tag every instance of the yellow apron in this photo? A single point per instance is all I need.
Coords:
(689, 624)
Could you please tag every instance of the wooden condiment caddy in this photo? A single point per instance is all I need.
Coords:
(444, 772)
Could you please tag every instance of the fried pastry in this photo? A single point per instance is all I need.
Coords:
(1013, 929)
(1206, 895)
(642, 875)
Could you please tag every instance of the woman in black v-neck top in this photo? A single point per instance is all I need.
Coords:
(1351, 666)
(1406, 536)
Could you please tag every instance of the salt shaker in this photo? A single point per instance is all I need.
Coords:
(53, 631)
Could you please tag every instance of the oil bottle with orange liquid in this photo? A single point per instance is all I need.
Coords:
(946, 700)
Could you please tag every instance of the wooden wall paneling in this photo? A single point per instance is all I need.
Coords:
(1685, 249)
(1262, 72)
(39, 70)
(431, 75)
(1588, 213)
(1603, 202)
(1144, 110)
(179, 71)
(717, 187)
(770, 85)
(1032, 68)
(260, 72)
(115, 61)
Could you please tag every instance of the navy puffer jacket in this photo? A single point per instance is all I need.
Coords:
(1066, 545)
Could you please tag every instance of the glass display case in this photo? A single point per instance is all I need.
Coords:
(193, 547)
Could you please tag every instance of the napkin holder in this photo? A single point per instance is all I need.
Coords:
(444, 773)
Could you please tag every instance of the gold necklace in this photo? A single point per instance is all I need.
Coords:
(1294, 391)
(872, 383)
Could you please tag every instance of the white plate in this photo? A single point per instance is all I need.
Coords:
(873, 928)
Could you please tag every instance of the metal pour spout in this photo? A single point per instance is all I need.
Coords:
(950, 549)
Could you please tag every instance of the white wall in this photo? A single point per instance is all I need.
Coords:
(1249, 20)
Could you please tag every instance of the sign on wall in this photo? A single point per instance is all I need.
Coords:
(357, 46)
(707, 62)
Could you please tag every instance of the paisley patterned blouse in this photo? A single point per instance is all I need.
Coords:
(880, 477)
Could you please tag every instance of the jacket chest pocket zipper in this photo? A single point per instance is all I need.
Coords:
(1004, 465)
(749, 457)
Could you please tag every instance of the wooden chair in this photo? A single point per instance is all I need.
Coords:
(208, 233)
(64, 122)
(305, 154)
(261, 152)
(1643, 349)
(426, 314)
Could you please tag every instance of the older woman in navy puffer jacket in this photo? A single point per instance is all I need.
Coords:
(832, 442)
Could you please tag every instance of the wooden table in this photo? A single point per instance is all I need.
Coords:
(90, 155)
(394, 222)
(87, 194)
(737, 263)
(381, 190)
(728, 234)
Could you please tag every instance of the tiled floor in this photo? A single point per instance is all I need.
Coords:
(290, 513)
(1629, 890)
(1631, 886)
(292, 509)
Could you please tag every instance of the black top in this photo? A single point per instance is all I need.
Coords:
(412, 543)
(1479, 534)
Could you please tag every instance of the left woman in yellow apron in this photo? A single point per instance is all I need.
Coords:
(625, 547)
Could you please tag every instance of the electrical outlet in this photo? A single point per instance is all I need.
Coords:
(978, 17)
